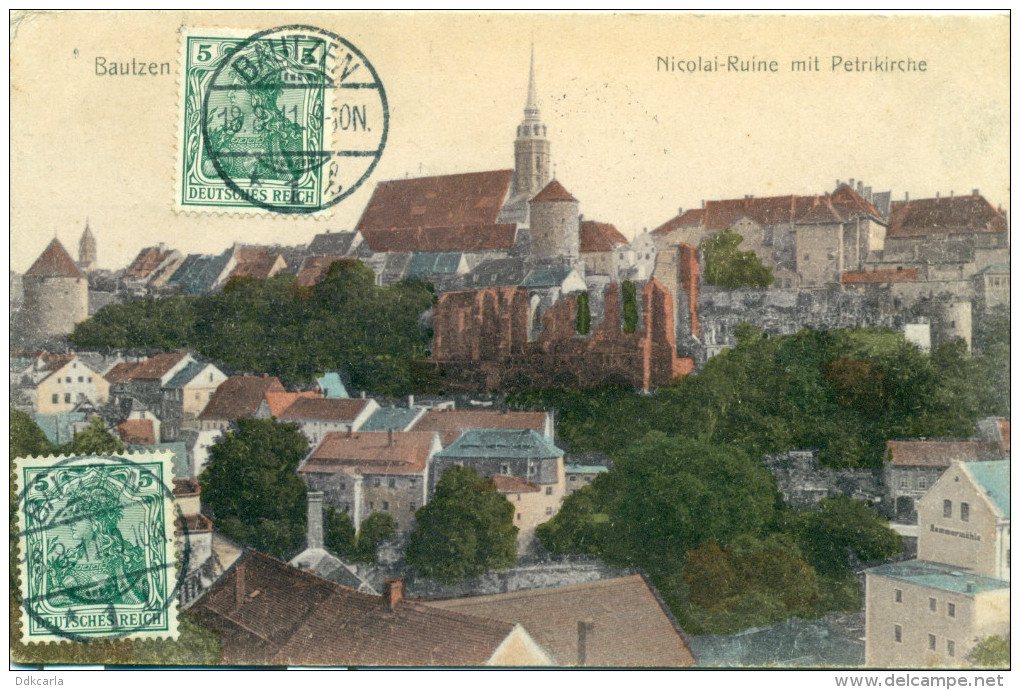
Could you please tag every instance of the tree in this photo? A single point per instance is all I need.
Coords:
(630, 306)
(374, 530)
(841, 527)
(991, 652)
(583, 314)
(252, 487)
(26, 438)
(340, 535)
(465, 530)
(94, 440)
(728, 267)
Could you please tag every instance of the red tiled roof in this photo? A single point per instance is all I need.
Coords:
(268, 612)
(314, 268)
(691, 218)
(255, 262)
(451, 423)
(514, 485)
(138, 432)
(922, 453)
(121, 373)
(954, 214)
(554, 191)
(885, 275)
(371, 452)
(279, 401)
(631, 624)
(147, 261)
(464, 238)
(240, 396)
(54, 262)
(157, 366)
(600, 237)
(55, 362)
(444, 201)
(337, 409)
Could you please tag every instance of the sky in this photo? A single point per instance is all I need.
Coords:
(633, 142)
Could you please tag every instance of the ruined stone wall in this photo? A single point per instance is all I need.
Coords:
(481, 342)
(803, 482)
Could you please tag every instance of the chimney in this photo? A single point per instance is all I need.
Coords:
(975, 192)
(702, 204)
(389, 437)
(314, 539)
(584, 629)
(362, 395)
(680, 211)
(410, 401)
(951, 193)
(580, 218)
(937, 195)
(906, 196)
(393, 591)
(851, 183)
(239, 589)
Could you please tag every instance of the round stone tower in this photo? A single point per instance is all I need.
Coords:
(555, 227)
(56, 294)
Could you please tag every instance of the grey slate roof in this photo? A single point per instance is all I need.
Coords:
(184, 376)
(793, 642)
(550, 276)
(495, 273)
(197, 274)
(328, 243)
(393, 271)
(423, 265)
(501, 443)
(392, 418)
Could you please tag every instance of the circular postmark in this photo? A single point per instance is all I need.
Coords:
(97, 550)
(294, 119)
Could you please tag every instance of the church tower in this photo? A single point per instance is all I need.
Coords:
(532, 163)
(87, 250)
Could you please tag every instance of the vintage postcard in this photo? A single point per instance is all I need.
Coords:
(516, 340)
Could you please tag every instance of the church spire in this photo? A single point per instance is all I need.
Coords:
(87, 249)
(531, 108)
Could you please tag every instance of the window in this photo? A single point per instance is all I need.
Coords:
(898, 596)
(965, 512)
(392, 483)
(81, 379)
(931, 641)
(548, 511)
(413, 480)
(922, 482)
(573, 479)
(518, 517)
(55, 399)
(898, 633)
(548, 491)
(932, 604)
(385, 505)
(504, 469)
(343, 485)
(947, 508)
(210, 377)
(376, 482)
(951, 610)
(67, 397)
(90, 379)
(904, 482)
(198, 395)
(411, 508)
(371, 505)
(950, 648)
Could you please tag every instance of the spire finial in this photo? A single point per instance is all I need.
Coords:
(532, 105)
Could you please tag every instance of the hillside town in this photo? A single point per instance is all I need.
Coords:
(526, 294)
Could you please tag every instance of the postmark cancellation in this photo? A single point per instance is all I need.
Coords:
(289, 120)
(97, 553)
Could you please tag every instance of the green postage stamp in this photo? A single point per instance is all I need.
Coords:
(96, 549)
(288, 120)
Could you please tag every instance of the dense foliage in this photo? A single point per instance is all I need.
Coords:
(252, 487)
(465, 530)
(345, 322)
(583, 314)
(630, 306)
(991, 652)
(27, 439)
(690, 501)
(728, 267)
(362, 545)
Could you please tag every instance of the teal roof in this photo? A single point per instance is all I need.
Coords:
(182, 468)
(20, 363)
(586, 469)
(425, 264)
(184, 376)
(332, 385)
(993, 478)
(502, 443)
(551, 276)
(59, 426)
(391, 419)
(995, 268)
(939, 576)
